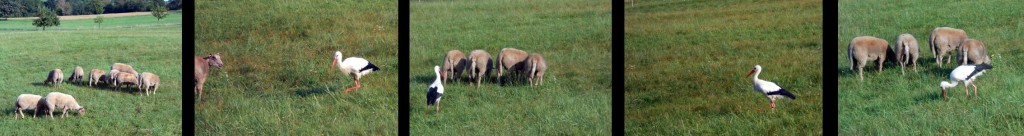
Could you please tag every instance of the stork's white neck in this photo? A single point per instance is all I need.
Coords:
(945, 84)
(756, 73)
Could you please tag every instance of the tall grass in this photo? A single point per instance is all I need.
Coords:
(29, 56)
(573, 35)
(686, 63)
(890, 103)
(277, 55)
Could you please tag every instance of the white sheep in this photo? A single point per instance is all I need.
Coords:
(537, 66)
(454, 63)
(125, 79)
(59, 101)
(123, 68)
(907, 51)
(512, 60)
(943, 40)
(149, 80)
(25, 102)
(480, 65)
(95, 76)
(55, 77)
(867, 48)
(77, 74)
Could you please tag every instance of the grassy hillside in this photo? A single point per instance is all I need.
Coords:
(277, 55)
(30, 55)
(574, 36)
(140, 20)
(888, 103)
(686, 63)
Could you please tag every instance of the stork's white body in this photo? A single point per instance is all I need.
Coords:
(966, 74)
(353, 66)
(436, 90)
(770, 90)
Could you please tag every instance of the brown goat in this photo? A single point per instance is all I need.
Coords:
(973, 52)
(203, 68)
(866, 48)
(907, 51)
(943, 40)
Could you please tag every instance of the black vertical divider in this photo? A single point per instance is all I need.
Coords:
(188, 44)
(403, 72)
(618, 97)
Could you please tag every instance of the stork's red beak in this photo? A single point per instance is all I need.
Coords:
(334, 63)
(751, 73)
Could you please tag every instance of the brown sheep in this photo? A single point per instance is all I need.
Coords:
(110, 77)
(55, 77)
(123, 68)
(76, 76)
(202, 65)
(536, 65)
(907, 51)
(480, 65)
(866, 48)
(125, 79)
(95, 76)
(511, 60)
(944, 40)
(454, 63)
(149, 82)
(973, 52)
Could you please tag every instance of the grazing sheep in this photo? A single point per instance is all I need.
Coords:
(480, 65)
(149, 80)
(55, 78)
(25, 102)
(866, 48)
(973, 52)
(512, 60)
(95, 76)
(454, 63)
(203, 68)
(59, 101)
(76, 76)
(907, 50)
(537, 66)
(944, 40)
(125, 79)
(110, 77)
(123, 68)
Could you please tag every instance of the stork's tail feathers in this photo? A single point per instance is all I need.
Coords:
(370, 66)
(783, 92)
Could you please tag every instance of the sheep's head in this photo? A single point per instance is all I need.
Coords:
(214, 60)
(81, 111)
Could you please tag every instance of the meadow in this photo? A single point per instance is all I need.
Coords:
(139, 21)
(30, 55)
(686, 64)
(573, 35)
(276, 79)
(890, 103)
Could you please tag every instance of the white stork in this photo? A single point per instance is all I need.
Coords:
(966, 74)
(769, 89)
(354, 66)
(435, 91)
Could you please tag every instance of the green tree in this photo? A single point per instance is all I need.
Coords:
(160, 12)
(46, 18)
(97, 6)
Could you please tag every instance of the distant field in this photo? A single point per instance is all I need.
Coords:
(143, 20)
(686, 66)
(277, 54)
(574, 36)
(888, 103)
(30, 55)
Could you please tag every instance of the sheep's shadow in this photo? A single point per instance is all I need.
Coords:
(423, 79)
(41, 84)
(312, 91)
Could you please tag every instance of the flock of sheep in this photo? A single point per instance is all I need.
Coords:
(120, 75)
(479, 63)
(943, 40)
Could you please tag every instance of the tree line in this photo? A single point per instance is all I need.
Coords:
(32, 8)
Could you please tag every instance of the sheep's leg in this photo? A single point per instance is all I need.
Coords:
(65, 114)
(914, 60)
(16, 113)
(199, 89)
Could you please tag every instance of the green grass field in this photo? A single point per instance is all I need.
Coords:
(686, 63)
(888, 103)
(30, 55)
(128, 21)
(277, 54)
(573, 35)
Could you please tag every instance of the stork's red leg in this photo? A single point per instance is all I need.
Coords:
(966, 91)
(354, 87)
